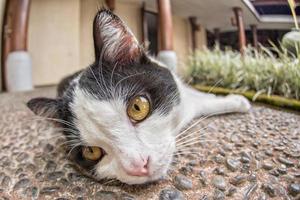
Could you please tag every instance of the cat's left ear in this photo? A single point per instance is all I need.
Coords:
(113, 40)
(45, 107)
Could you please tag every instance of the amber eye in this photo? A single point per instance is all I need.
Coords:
(92, 153)
(138, 108)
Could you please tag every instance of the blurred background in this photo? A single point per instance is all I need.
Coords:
(56, 35)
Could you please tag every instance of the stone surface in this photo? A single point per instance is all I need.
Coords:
(240, 156)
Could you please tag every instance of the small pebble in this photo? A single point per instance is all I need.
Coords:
(231, 191)
(34, 192)
(55, 175)
(48, 148)
(6, 181)
(282, 169)
(219, 182)
(106, 195)
(218, 195)
(204, 197)
(232, 164)
(269, 189)
(285, 161)
(267, 166)
(219, 159)
(74, 177)
(49, 190)
(245, 160)
(78, 190)
(186, 170)
(249, 191)
(125, 196)
(182, 182)
(22, 156)
(269, 152)
(21, 184)
(274, 172)
(219, 171)
(294, 189)
(203, 178)
(252, 177)
(171, 194)
(238, 180)
(50, 166)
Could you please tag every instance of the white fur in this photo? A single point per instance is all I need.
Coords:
(106, 124)
(196, 104)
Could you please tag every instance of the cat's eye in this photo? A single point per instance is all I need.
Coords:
(92, 153)
(138, 108)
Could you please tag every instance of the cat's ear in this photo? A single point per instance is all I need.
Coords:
(44, 107)
(113, 41)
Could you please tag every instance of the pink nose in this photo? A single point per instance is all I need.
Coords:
(138, 168)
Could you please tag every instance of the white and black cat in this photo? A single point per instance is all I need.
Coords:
(123, 112)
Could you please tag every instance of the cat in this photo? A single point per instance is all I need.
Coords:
(122, 113)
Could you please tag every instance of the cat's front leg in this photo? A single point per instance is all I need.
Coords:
(221, 105)
(207, 104)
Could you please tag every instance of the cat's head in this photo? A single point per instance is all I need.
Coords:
(121, 112)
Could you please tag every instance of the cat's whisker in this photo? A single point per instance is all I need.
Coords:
(74, 146)
(100, 87)
(194, 143)
(112, 73)
(127, 77)
(69, 142)
(183, 139)
(109, 181)
(53, 137)
(190, 139)
(215, 85)
(202, 119)
(61, 130)
(200, 134)
(100, 71)
(191, 126)
(39, 118)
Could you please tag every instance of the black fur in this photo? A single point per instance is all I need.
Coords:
(146, 77)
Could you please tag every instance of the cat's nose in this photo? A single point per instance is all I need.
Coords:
(139, 167)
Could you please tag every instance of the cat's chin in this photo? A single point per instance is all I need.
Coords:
(134, 180)
(137, 180)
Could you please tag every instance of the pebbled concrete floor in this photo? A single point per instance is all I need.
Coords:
(240, 156)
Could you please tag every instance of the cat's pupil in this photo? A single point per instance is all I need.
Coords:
(91, 150)
(136, 107)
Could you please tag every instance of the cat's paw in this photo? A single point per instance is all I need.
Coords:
(241, 103)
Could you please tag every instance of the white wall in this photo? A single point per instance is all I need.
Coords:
(61, 40)
(54, 39)
(2, 6)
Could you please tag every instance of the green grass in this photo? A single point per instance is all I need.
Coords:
(263, 98)
(259, 71)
